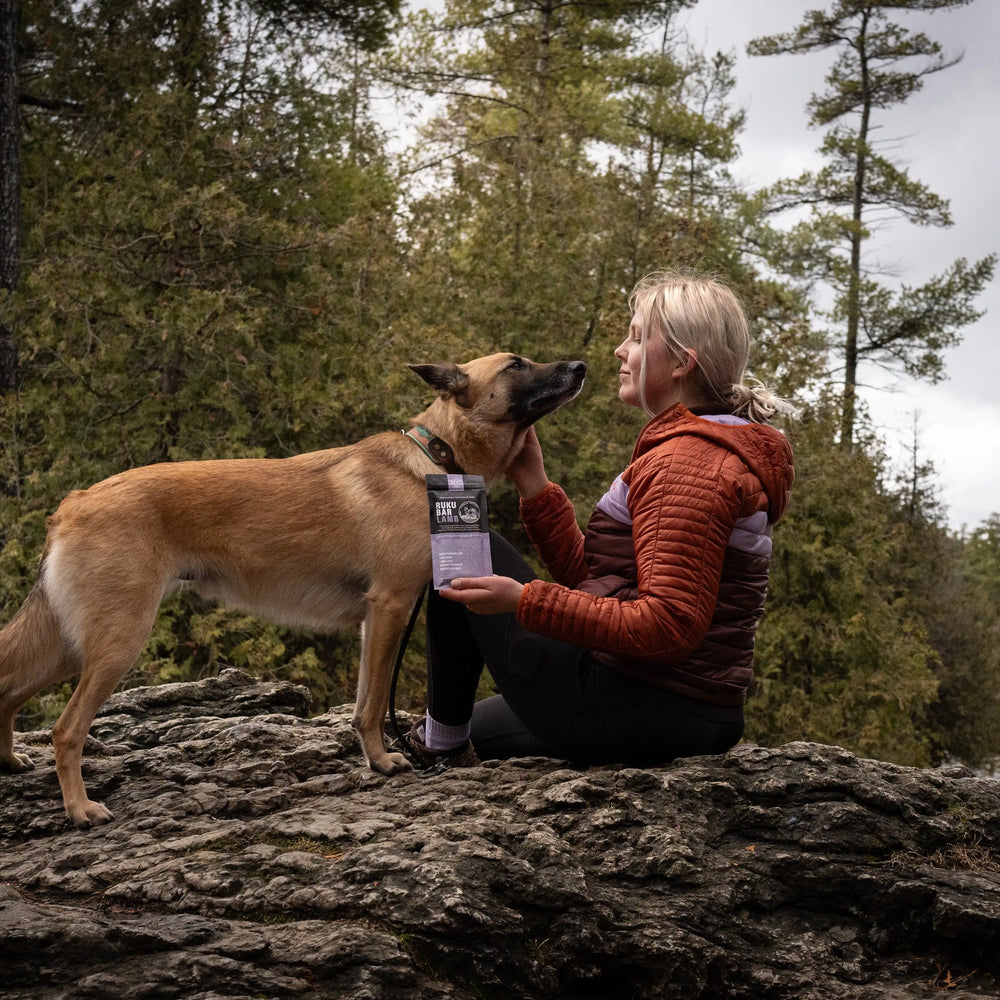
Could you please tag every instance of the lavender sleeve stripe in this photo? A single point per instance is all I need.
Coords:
(750, 534)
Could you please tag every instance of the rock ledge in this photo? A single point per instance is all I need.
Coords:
(253, 855)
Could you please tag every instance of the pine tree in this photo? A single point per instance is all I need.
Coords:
(576, 147)
(879, 65)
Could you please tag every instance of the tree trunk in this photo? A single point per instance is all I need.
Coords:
(10, 182)
(854, 289)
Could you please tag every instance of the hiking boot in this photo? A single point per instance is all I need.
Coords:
(463, 755)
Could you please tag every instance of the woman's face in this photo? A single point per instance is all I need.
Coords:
(663, 373)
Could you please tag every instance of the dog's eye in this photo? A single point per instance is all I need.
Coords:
(516, 364)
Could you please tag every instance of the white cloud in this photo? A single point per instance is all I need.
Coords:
(956, 433)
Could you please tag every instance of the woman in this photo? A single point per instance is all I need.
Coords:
(641, 650)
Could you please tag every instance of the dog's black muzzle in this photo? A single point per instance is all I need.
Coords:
(552, 386)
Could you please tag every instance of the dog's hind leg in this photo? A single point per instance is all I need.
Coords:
(109, 651)
(388, 611)
(33, 656)
(11, 700)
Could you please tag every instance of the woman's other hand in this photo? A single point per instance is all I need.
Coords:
(486, 595)
(527, 469)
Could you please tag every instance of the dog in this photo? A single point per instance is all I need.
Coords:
(319, 541)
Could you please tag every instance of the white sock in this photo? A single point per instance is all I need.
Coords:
(438, 736)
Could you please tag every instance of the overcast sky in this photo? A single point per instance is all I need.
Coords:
(947, 137)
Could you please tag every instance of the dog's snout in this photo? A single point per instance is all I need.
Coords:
(577, 367)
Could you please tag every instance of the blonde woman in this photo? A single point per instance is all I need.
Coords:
(641, 649)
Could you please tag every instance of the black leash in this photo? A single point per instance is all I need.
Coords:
(422, 770)
(404, 739)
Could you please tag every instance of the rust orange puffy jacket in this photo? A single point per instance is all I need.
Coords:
(669, 580)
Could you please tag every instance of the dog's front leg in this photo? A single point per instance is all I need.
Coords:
(385, 622)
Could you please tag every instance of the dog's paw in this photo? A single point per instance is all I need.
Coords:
(391, 763)
(17, 763)
(89, 815)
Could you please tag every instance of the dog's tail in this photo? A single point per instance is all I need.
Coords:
(33, 651)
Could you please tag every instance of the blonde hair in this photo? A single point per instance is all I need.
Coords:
(700, 315)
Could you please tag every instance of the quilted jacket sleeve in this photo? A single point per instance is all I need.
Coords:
(550, 521)
(684, 498)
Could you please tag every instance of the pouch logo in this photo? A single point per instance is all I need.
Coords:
(468, 512)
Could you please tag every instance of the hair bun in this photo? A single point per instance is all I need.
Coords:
(754, 401)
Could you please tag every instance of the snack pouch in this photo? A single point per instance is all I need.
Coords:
(460, 539)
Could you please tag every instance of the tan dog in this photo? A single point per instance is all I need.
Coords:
(318, 541)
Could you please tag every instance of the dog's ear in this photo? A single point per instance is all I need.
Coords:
(446, 377)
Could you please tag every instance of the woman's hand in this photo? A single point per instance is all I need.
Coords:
(486, 595)
(527, 469)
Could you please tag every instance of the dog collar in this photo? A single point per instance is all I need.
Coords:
(438, 451)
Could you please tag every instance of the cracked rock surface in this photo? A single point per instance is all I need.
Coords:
(253, 854)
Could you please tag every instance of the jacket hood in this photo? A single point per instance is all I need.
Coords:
(764, 450)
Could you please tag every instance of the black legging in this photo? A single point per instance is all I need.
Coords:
(556, 700)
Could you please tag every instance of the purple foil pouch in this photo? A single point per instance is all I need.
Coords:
(460, 539)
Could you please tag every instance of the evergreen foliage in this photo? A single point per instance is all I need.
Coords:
(207, 220)
(843, 656)
(957, 582)
(224, 255)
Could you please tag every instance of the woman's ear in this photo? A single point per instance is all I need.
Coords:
(686, 363)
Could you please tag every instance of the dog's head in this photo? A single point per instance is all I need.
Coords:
(505, 388)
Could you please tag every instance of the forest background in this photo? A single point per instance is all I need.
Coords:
(216, 243)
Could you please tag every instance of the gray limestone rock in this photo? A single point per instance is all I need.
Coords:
(254, 855)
